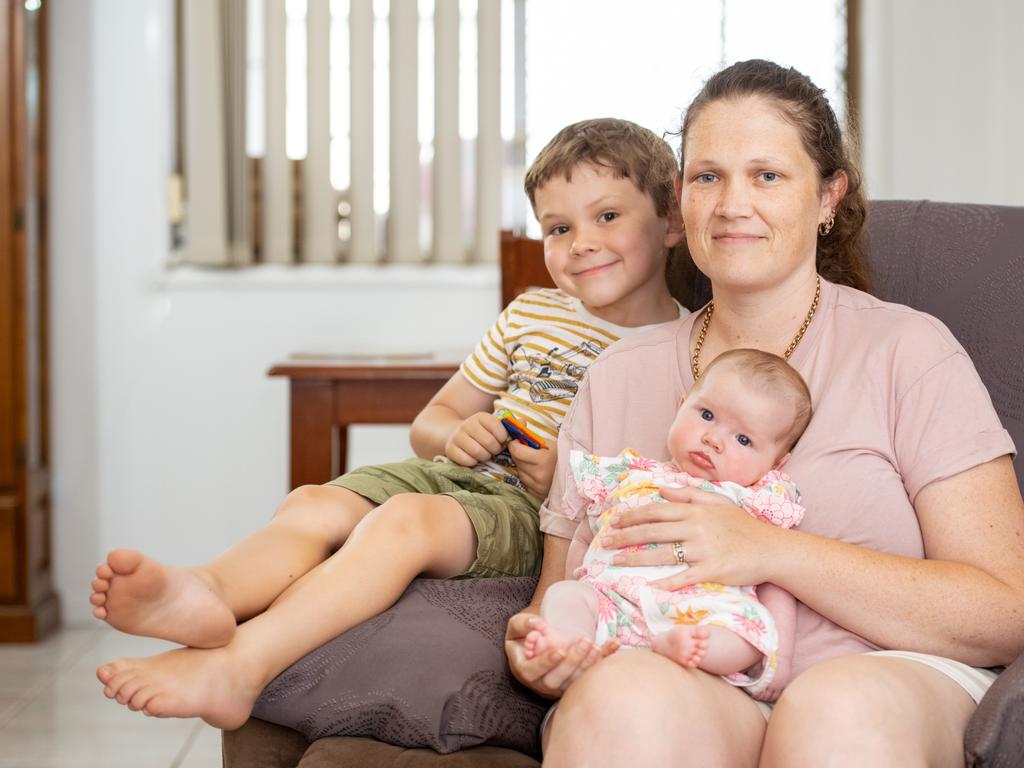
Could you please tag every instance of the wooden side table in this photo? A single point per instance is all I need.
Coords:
(328, 394)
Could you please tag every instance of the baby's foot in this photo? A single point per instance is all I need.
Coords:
(140, 596)
(542, 638)
(684, 645)
(186, 682)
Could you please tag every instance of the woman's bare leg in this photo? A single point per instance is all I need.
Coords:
(869, 710)
(639, 708)
(408, 535)
(199, 606)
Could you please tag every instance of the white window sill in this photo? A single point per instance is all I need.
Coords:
(328, 277)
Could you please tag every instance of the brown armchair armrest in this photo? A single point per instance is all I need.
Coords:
(995, 734)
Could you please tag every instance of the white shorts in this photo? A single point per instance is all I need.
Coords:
(975, 680)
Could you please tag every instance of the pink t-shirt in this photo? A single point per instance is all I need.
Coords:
(897, 405)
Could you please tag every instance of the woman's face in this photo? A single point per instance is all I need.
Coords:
(750, 196)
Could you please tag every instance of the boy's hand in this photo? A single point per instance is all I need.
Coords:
(476, 439)
(536, 466)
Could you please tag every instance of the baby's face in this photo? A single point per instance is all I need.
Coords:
(726, 430)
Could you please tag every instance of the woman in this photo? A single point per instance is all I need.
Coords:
(912, 538)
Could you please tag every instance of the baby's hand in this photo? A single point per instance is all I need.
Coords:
(476, 439)
(536, 466)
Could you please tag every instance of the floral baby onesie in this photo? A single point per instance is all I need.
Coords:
(630, 609)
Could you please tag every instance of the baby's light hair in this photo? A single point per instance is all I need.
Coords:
(628, 150)
(771, 374)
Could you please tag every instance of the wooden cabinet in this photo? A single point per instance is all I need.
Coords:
(28, 604)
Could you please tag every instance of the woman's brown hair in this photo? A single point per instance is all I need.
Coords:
(841, 256)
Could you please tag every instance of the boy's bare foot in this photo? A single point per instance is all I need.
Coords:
(684, 645)
(187, 682)
(140, 596)
(543, 637)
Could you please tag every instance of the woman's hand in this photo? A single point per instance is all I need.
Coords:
(722, 542)
(550, 673)
(476, 439)
(536, 466)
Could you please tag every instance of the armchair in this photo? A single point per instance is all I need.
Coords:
(961, 263)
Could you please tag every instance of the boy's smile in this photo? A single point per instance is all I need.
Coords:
(605, 244)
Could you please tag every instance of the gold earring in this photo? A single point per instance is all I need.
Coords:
(826, 226)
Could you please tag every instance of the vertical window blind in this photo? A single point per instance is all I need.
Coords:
(336, 131)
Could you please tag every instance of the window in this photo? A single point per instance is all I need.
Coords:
(370, 131)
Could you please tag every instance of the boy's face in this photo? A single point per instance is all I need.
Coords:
(726, 430)
(605, 243)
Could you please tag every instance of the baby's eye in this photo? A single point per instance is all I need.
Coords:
(743, 440)
(608, 216)
(706, 414)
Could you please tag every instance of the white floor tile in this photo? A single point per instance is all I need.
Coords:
(53, 713)
(204, 751)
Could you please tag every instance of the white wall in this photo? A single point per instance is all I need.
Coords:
(169, 437)
(943, 100)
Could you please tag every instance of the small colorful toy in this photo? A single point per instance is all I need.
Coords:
(517, 428)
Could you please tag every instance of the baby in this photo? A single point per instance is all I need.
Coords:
(732, 435)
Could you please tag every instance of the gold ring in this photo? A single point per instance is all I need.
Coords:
(679, 551)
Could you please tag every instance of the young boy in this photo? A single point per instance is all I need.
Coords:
(602, 191)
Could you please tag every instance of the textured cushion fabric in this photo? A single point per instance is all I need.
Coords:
(964, 264)
(429, 672)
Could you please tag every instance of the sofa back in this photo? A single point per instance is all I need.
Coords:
(964, 264)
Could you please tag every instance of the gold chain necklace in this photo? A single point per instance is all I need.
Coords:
(695, 360)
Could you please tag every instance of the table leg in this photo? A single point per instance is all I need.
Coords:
(312, 433)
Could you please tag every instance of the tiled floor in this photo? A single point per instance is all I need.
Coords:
(53, 713)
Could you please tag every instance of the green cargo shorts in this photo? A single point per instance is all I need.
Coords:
(505, 518)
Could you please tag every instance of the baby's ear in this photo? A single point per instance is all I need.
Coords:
(782, 462)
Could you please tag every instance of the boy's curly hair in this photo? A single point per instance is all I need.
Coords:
(627, 149)
(631, 152)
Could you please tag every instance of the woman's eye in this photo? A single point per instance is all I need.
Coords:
(608, 216)
(706, 414)
(743, 440)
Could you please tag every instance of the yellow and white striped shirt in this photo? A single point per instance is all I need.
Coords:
(534, 358)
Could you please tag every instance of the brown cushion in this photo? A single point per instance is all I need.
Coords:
(351, 752)
(429, 672)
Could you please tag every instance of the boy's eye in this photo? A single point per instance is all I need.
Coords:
(558, 229)
(743, 440)
(705, 178)
(769, 176)
(608, 216)
(706, 414)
